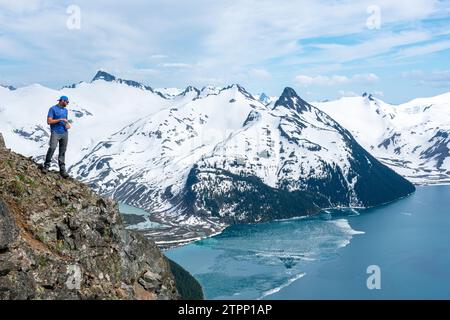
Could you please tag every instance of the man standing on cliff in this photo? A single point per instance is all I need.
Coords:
(59, 125)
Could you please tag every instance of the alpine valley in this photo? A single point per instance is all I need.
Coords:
(199, 160)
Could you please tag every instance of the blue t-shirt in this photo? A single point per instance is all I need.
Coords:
(57, 112)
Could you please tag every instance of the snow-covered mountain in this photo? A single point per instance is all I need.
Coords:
(294, 155)
(173, 93)
(97, 109)
(148, 160)
(265, 99)
(169, 92)
(412, 138)
(228, 158)
(203, 157)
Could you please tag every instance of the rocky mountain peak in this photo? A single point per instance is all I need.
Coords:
(264, 98)
(103, 75)
(240, 89)
(289, 99)
(190, 89)
(368, 96)
(8, 87)
(289, 93)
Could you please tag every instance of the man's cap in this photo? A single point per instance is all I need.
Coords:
(63, 98)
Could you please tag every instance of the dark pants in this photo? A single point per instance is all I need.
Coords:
(62, 139)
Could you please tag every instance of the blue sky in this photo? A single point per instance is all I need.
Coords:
(324, 49)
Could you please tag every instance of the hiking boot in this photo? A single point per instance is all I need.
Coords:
(45, 169)
(64, 174)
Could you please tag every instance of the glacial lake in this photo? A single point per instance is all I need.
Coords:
(327, 257)
(136, 219)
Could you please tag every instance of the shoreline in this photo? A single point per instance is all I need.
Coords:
(171, 236)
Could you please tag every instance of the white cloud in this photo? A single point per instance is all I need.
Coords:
(229, 38)
(321, 80)
(269, 29)
(11, 49)
(148, 71)
(176, 65)
(20, 6)
(379, 93)
(260, 73)
(435, 79)
(365, 78)
(381, 43)
(306, 81)
(158, 56)
(424, 49)
(344, 93)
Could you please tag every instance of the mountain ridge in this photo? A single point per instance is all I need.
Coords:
(412, 138)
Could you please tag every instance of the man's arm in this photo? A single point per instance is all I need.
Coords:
(50, 120)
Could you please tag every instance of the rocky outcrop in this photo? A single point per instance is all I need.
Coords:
(2, 143)
(59, 240)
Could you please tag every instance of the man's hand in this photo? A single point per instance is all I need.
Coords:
(54, 121)
(67, 125)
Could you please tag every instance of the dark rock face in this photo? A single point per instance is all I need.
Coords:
(59, 240)
(8, 87)
(2, 143)
(7, 227)
(102, 75)
(439, 150)
(289, 99)
(251, 199)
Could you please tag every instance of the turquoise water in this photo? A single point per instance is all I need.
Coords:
(327, 257)
(137, 219)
